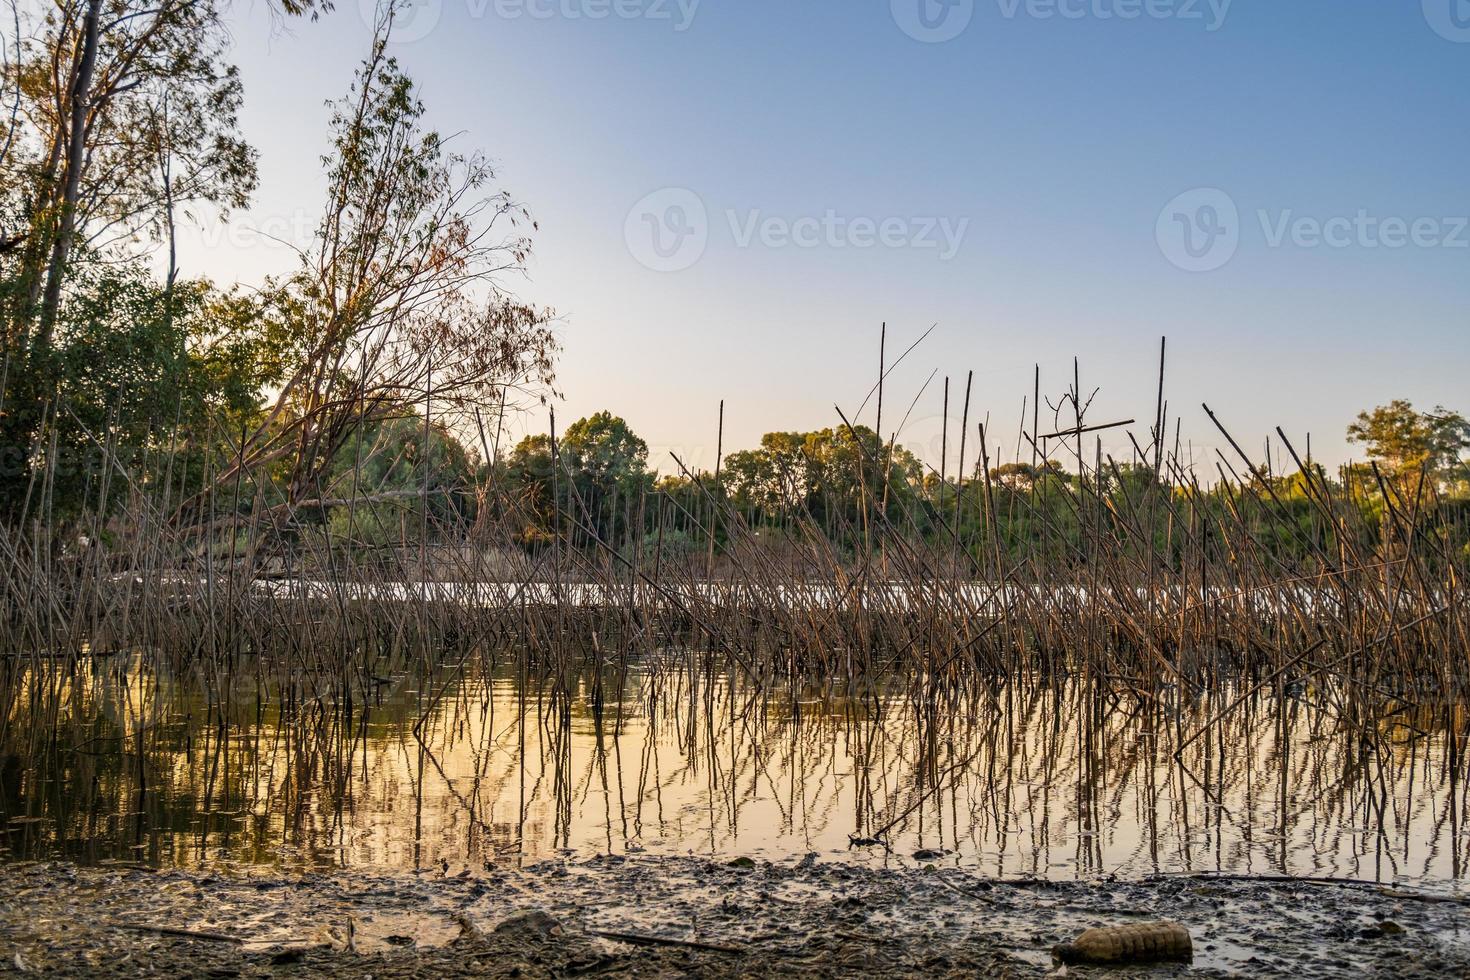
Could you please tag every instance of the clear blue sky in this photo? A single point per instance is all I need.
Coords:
(1055, 133)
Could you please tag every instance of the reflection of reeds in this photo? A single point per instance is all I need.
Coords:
(488, 761)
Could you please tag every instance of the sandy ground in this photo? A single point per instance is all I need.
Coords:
(655, 917)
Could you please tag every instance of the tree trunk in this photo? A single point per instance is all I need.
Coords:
(76, 154)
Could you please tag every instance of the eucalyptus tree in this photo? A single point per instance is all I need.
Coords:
(121, 119)
(399, 305)
(128, 110)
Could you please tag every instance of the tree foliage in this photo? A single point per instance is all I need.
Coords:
(1409, 441)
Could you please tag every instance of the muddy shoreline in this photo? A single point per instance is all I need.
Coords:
(659, 916)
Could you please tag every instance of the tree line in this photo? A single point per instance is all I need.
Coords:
(594, 486)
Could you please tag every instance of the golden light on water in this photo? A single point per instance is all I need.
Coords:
(472, 765)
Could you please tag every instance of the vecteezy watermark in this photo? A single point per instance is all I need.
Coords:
(680, 13)
(1363, 230)
(1210, 13)
(1200, 230)
(669, 230)
(293, 230)
(935, 21)
(414, 20)
(932, 21)
(1449, 18)
(832, 229)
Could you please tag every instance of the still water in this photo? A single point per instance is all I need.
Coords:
(483, 762)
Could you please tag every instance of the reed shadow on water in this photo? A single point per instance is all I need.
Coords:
(489, 761)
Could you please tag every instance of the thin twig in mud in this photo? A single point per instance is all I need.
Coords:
(643, 939)
(215, 937)
(1388, 891)
(1413, 896)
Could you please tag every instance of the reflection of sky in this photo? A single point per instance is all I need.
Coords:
(1061, 139)
(717, 773)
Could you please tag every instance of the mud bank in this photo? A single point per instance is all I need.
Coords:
(646, 916)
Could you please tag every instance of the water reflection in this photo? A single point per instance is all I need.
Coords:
(488, 761)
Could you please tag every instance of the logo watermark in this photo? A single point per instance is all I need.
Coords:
(936, 21)
(669, 230)
(1363, 230)
(932, 21)
(1211, 14)
(1201, 230)
(293, 230)
(831, 229)
(1450, 19)
(679, 13)
(414, 20)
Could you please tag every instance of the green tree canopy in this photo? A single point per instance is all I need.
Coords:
(1409, 441)
(599, 470)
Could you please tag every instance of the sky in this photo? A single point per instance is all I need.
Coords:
(735, 195)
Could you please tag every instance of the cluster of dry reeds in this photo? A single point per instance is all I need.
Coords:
(1142, 585)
